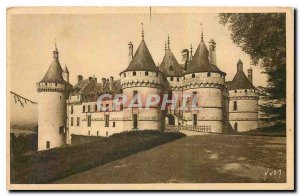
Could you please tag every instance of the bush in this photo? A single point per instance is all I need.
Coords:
(48, 166)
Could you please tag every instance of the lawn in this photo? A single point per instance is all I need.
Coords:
(48, 166)
(206, 158)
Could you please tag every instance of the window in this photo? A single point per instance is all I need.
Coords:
(246, 90)
(61, 130)
(193, 75)
(83, 108)
(208, 74)
(55, 84)
(97, 133)
(114, 124)
(47, 144)
(234, 105)
(195, 97)
(89, 108)
(146, 73)
(71, 109)
(177, 79)
(135, 121)
(157, 74)
(72, 121)
(89, 133)
(124, 75)
(106, 117)
(195, 120)
(134, 94)
(78, 122)
(96, 109)
(134, 73)
(171, 78)
(89, 121)
(235, 91)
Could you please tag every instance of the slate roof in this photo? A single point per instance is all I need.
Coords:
(240, 81)
(90, 90)
(169, 65)
(54, 73)
(142, 60)
(200, 61)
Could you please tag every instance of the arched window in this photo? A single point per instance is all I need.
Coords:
(146, 73)
(193, 75)
(208, 74)
(134, 73)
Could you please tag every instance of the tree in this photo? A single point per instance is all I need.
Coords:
(263, 37)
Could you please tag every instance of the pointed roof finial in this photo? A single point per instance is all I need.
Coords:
(201, 31)
(168, 41)
(55, 46)
(165, 46)
(191, 49)
(142, 31)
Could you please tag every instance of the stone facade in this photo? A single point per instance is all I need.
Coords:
(222, 106)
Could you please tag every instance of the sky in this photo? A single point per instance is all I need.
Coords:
(97, 44)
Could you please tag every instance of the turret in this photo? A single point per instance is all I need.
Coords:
(140, 79)
(53, 90)
(66, 74)
(243, 101)
(204, 80)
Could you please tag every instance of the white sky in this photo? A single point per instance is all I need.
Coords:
(97, 44)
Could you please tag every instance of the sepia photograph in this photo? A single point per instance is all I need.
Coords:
(150, 98)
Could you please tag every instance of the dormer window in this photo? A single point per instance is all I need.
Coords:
(146, 73)
(134, 73)
(193, 75)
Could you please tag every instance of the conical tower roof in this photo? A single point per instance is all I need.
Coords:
(54, 72)
(240, 80)
(142, 60)
(169, 65)
(200, 61)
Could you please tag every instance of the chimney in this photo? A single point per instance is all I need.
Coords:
(130, 54)
(103, 81)
(111, 82)
(250, 75)
(90, 78)
(79, 78)
(212, 52)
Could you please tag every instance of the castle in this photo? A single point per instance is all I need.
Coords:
(222, 106)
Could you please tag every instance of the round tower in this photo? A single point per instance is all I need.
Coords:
(243, 101)
(173, 72)
(142, 78)
(205, 81)
(53, 91)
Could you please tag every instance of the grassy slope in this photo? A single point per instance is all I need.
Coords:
(54, 164)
